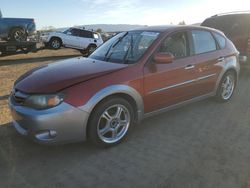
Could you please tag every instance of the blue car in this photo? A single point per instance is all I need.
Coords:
(16, 29)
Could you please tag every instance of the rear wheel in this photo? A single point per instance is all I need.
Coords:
(18, 35)
(226, 87)
(55, 43)
(110, 122)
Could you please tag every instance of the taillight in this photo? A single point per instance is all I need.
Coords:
(248, 45)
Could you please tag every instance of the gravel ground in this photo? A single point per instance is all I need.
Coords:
(205, 144)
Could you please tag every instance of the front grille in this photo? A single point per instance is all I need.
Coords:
(18, 97)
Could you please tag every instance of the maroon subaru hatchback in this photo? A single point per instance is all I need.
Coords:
(134, 75)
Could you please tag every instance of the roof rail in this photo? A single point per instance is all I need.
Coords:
(234, 12)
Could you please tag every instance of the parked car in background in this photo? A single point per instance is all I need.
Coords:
(76, 38)
(236, 27)
(16, 29)
(135, 74)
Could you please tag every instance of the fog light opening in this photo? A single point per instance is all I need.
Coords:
(46, 135)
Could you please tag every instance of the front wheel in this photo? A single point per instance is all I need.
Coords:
(55, 43)
(226, 87)
(110, 122)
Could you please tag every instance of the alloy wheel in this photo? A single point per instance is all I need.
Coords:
(55, 44)
(227, 85)
(113, 124)
(19, 35)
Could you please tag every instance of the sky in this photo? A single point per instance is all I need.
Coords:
(66, 13)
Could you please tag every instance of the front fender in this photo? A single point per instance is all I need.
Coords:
(115, 89)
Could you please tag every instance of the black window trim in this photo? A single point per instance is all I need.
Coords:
(220, 48)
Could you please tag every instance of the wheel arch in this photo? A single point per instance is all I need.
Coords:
(55, 37)
(92, 44)
(231, 65)
(126, 92)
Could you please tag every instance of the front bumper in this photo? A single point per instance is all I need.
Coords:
(61, 124)
(44, 38)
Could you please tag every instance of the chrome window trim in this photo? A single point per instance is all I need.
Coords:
(181, 84)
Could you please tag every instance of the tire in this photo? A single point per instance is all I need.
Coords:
(18, 35)
(226, 87)
(110, 122)
(55, 43)
(84, 53)
(91, 48)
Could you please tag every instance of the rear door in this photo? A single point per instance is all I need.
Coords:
(86, 38)
(208, 58)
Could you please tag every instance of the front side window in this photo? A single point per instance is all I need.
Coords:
(72, 31)
(203, 42)
(176, 44)
(126, 47)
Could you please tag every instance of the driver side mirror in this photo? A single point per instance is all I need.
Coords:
(163, 58)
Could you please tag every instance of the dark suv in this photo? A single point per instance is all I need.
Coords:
(236, 27)
(16, 29)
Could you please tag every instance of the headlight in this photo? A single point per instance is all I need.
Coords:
(44, 101)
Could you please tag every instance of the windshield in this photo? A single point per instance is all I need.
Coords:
(126, 47)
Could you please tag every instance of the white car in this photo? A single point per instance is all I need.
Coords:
(76, 38)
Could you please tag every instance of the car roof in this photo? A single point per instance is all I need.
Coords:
(228, 14)
(81, 29)
(167, 28)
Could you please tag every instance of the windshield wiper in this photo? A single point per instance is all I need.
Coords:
(107, 55)
(130, 48)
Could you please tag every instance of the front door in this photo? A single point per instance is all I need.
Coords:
(169, 84)
(72, 38)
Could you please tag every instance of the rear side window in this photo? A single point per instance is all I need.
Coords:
(220, 39)
(86, 34)
(203, 42)
(96, 36)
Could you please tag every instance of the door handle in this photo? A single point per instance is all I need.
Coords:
(188, 67)
(221, 59)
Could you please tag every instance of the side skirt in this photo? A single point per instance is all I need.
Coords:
(175, 106)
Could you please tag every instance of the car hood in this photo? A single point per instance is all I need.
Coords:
(62, 74)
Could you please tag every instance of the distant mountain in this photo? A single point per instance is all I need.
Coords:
(113, 27)
(103, 27)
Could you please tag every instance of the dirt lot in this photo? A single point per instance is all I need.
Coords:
(11, 67)
(205, 144)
